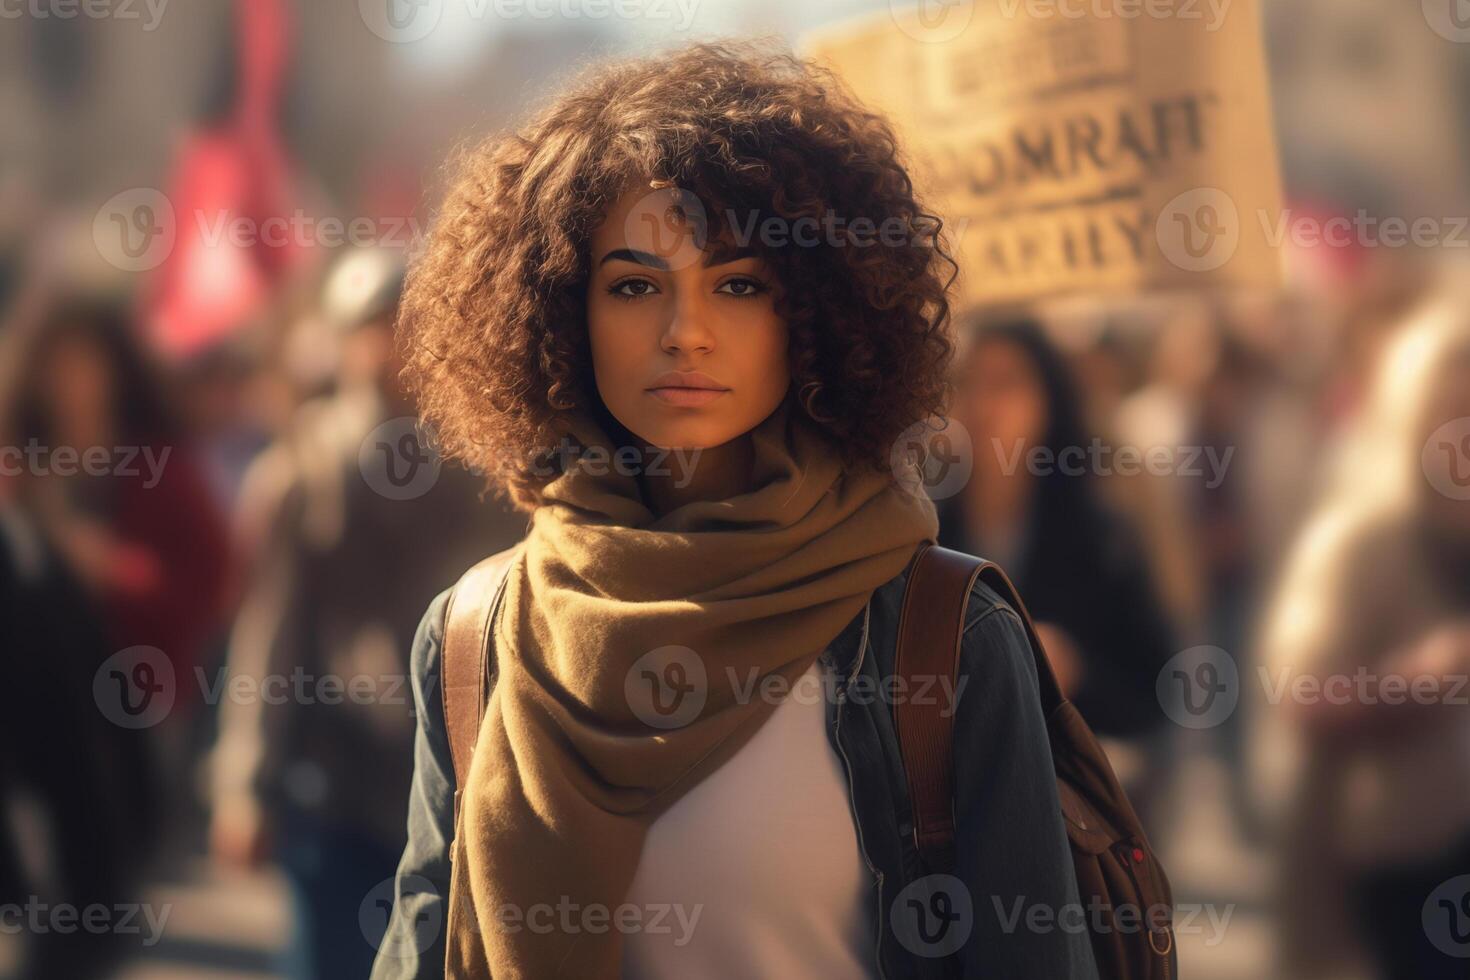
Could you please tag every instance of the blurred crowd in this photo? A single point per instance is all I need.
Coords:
(1242, 522)
(1181, 487)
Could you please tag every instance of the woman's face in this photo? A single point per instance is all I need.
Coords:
(687, 347)
(78, 390)
(1000, 401)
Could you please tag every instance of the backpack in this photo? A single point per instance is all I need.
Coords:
(1115, 867)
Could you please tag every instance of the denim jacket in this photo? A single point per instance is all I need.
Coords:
(998, 912)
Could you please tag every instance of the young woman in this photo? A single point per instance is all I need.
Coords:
(1079, 566)
(682, 319)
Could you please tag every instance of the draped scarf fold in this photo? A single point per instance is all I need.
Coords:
(626, 644)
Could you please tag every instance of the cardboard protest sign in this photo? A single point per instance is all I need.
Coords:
(1079, 145)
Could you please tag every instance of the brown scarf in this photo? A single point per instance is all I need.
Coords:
(624, 644)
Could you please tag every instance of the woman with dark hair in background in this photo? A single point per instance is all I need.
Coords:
(106, 542)
(1031, 506)
(116, 486)
(125, 550)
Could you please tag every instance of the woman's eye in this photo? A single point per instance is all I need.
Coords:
(742, 287)
(631, 288)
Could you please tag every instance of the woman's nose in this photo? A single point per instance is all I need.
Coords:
(688, 329)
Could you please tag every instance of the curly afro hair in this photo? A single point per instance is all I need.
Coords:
(493, 326)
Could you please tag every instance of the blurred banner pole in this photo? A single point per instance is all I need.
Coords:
(232, 195)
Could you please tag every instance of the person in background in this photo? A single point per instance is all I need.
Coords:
(1078, 565)
(136, 525)
(1367, 645)
(69, 762)
(352, 528)
(113, 484)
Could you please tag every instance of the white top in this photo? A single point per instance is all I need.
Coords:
(757, 869)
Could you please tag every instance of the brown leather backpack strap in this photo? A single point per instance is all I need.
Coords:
(931, 627)
(467, 664)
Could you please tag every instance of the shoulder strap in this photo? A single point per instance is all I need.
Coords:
(931, 627)
(467, 664)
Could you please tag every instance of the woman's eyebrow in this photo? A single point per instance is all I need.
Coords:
(636, 256)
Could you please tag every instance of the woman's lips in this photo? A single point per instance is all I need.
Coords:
(687, 397)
